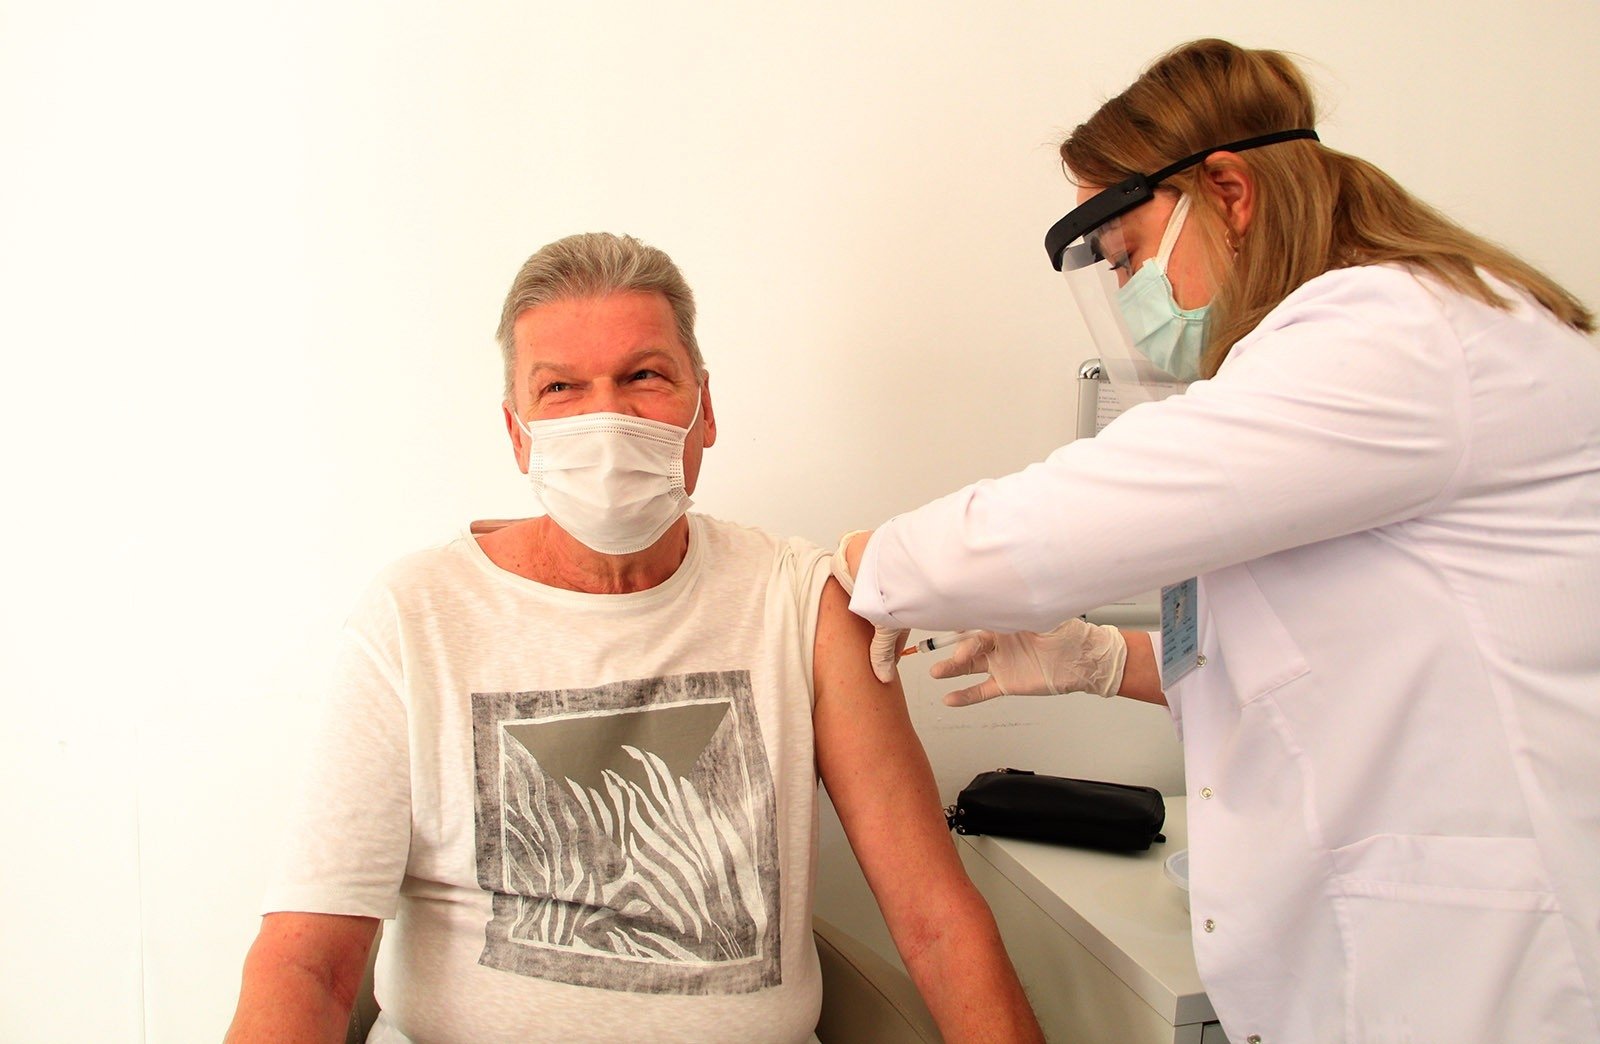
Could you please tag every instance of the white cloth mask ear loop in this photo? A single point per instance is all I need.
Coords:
(1169, 238)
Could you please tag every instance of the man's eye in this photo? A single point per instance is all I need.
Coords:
(643, 375)
(553, 387)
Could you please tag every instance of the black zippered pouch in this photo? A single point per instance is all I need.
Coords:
(1113, 817)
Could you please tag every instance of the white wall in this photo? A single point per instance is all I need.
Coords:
(253, 256)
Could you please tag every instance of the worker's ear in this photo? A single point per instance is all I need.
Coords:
(1230, 184)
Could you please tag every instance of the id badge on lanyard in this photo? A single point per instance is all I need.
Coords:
(1180, 630)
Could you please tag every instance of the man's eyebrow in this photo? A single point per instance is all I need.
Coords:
(642, 355)
(650, 353)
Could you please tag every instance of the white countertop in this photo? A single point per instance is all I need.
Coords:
(1121, 908)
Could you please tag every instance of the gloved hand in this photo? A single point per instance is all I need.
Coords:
(1077, 656)
(886, 644)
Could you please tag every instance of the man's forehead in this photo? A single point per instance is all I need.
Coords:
(633, 324)
(638, 303)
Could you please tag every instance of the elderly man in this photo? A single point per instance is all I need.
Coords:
(575, 759)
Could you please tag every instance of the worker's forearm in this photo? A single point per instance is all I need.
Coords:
(968, 982)
(1141, 675)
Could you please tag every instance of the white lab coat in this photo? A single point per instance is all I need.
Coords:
(1391, 494)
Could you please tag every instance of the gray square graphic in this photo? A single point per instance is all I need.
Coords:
(627, 834)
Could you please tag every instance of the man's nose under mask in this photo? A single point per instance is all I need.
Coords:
(614, 482)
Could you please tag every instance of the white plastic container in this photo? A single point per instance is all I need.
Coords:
(1177, 870)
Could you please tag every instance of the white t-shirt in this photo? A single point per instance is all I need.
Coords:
(591, 817)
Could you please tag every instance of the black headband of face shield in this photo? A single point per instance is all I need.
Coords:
(1125, 195)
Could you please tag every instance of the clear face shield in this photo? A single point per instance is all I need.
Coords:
(1097, 267)
(1088, 248)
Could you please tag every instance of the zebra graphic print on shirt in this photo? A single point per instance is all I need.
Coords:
(627, 835)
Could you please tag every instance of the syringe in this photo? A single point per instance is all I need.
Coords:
(938, 641)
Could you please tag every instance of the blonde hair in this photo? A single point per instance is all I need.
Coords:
(1315, 209)
(596, 264)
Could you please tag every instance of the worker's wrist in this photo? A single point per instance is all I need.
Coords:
(1118, 662)
(842, 567)
(855, 547)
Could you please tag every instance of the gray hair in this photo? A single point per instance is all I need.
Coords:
(594, 264)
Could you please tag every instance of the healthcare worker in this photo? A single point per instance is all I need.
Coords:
(1376, 527)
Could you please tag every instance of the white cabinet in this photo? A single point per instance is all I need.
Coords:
(1100, 940)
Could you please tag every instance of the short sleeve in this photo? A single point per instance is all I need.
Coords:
(349, 833)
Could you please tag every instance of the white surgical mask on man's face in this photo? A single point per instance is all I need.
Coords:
(614, 482)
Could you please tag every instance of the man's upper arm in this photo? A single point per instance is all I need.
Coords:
(874, 767)
(881, 785)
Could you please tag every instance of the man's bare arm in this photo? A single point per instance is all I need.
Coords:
(879, 780)
(301, 978)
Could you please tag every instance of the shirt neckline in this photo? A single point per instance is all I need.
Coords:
(670, 588)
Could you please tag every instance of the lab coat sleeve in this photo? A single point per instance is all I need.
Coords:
(1344, 410)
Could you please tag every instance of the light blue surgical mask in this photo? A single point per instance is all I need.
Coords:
(1169, 336)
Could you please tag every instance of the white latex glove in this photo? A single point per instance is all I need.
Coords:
(1078, 656)
(886, 644)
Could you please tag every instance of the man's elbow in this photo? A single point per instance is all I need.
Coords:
(299, 975)
(333, 972)
(958, 918)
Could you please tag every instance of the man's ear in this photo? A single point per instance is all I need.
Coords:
(1229, 182)
(708, 416)
(518, 439)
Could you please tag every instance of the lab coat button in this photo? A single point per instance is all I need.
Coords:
(1205, 792)
(1210, 925)
(1254, 1038)
(1200, 660)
